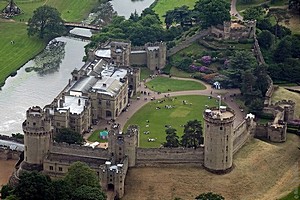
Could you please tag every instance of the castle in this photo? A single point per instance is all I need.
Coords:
(100, 91)
(234, 30)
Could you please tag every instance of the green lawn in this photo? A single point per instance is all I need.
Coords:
(145, 72)
(179, 73)
(292, 195)
(162, 6)
(12, 57)
(95, 137)
(164, 84)
(175, 117)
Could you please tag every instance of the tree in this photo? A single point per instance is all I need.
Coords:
(253, 13)
(83, 182)
(88, 193)
(192, 136)
(34, 186)
(294, 5)
(46, 23)
(69, 136)
(240, 61)
(81, 174)
(6, 190)
(61, 190)
(279, 15)
(171, 138)
(209, 196)
(266, 39)
(213, 12)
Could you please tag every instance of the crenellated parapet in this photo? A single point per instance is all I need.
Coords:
(219, 116)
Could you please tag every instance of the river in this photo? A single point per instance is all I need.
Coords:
(126, 7)
(28, 89)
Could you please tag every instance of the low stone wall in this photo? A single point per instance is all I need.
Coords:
(62, 148)
(8, 154)
(169, 156)
(261, 131)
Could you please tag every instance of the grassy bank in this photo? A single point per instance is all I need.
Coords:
(13, 56)
(162, 6)
(163, 84)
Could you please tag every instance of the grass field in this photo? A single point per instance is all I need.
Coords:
(262, 171)
(162, 6)
(164, 84)
(94, 137)
(145, 72)
(12, 57)
(174, 117)
(282, 93)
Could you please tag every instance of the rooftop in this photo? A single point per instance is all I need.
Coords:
(74, 103)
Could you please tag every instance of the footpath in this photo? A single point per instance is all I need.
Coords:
(228, 96)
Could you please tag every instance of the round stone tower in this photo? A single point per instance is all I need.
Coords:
(218, 139)
(37, 138)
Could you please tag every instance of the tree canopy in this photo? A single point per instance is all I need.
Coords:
(192, 136)
(171, 138)
(80, 183)
(209, 196)
(213, 12)
(46, 23)
(69, 136)
(81, 174)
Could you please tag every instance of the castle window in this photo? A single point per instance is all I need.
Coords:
(110, 180)
(58, 124)
(226, 158)
(51, 168)
(221, 128)
(227, 137)
(99, 102)
(60, 169)
(226, 148)
(207, 126)
(120, 148)
(107, 102)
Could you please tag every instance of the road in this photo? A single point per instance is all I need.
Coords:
(233, 11)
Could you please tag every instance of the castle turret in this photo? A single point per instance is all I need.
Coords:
(37, 137)
(218, 140)
(227, 29)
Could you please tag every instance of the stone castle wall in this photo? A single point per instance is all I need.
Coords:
(62, 148)
(169, 156)
(240, 136)
(9, 154)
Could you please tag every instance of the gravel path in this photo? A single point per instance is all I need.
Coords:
(136, 104)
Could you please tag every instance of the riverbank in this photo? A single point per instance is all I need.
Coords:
(6, 169)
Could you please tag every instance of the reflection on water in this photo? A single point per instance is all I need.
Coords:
(50, 59)
(28, 89)
(126, 7)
